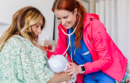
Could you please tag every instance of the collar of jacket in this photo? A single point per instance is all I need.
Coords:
(88, 18)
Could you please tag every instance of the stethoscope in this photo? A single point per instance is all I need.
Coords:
(70, 33)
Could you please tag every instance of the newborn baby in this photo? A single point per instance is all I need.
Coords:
(59, 64)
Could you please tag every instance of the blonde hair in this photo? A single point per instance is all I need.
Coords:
(21, 24)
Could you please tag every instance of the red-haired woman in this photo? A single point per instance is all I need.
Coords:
(97, 58)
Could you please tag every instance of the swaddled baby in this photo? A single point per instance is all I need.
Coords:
(59, 64)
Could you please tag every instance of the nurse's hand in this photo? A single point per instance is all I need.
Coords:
(73, 69)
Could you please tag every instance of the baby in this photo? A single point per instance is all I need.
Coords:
(57, 64)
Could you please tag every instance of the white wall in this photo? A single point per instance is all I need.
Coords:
(3, 27)
(86, 4)
(9, 7)
(90, 7)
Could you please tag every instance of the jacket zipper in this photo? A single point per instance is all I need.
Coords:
(100, 38)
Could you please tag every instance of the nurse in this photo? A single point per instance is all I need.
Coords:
(93, 55)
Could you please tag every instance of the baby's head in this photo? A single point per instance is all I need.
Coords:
(58, 63)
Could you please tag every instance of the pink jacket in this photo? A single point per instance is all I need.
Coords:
(105, 54)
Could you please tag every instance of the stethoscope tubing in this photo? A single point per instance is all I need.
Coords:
(70, 33)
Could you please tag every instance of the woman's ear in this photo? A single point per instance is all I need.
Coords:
(75, 11)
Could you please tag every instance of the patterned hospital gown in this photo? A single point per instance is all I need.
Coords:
(16, 67)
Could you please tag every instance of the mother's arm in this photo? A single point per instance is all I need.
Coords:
(59, 77)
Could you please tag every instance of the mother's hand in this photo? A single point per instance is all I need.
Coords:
(73, 69)
(61, 77)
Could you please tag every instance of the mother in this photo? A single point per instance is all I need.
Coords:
(20, 59)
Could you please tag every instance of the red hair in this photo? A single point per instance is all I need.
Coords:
(70, 5)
